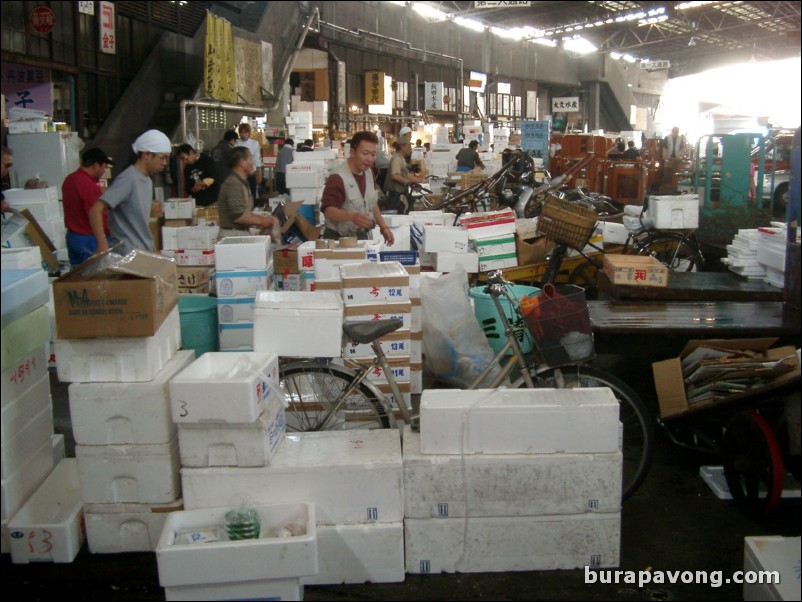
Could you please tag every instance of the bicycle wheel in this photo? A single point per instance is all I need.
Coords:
(673, 250)
(313, 395)
(637, 442)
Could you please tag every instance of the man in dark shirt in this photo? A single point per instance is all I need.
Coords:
(199, 175)
(632, 153)
(220, 154)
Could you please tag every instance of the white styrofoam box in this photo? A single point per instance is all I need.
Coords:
(401, 239)
(416, 348)
(23, 258)
(190, 257)
(394, 220)
(134, 359)
(118, 528)
(489, 223)
(306, 167)
(140, 474)
(494, 245)
(41, 202)
(428, 218)
(395, 344)
(236, 337)
(416, 378)
(328, 261)
(241, 283)
(445, 238)
(224, 387)
(772, 553)
(262, 589)
(200, 238)
(27, 126)
(235, 309)
(305, 178)
(59, 447)
(27, 440)
(448, 262)
(387, 311)
(49, 526)
(242, 253)
(769, 256)
(286, 547)
(308, 196)
(19, 412)
(170, 238)
(350, 476)
(23, 291)
(374, 283)
(399, 366)
(19, 486)
(522, 543)
(519, 421)
(416, 324)
(179, 208)
(488, 263)
(244, 445)
(299, 117)
(674, 212)
(126, 413)
(299, 324)
(306, 256)
(368, 553)
(316, 156)
(452, 486)
(613, 233)
(24, 374)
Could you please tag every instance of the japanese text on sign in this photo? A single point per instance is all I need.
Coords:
(27, 87)
(434, 96)
(374, 87)
(534, 135)
(500, 3)
(108, 39)
(566, 104)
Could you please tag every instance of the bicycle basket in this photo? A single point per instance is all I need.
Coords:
(560, 325)
(566, 222)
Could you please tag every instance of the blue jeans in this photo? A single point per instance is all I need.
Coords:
(80, 247)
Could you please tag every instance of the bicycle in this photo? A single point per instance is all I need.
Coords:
(322, 395)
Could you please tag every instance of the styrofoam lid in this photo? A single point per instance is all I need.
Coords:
(244, 240)
(494, 399)
(303, 300)
(11, 277)
(372, 269)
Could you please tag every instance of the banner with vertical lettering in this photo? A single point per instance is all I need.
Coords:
(434, 96)
(219, 75)
(374, 87)
(108, 37)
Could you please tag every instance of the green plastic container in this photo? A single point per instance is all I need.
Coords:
(487, 315)
(198, 315)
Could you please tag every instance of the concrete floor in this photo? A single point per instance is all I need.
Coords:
(673, 523)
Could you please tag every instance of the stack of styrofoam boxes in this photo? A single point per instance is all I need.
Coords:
(373, 291)
(771, 254)
(306, 265)
(764, 555)
(244, 267)
(191, 241)
(45, 207)
(123, 429)
(327, 262)
(742, 255)
(420, 221)
(492, 234)
(306, 176)
(198, 562)
(27, 421)
(353, 478)
(401, 227)
(449, 247)
(415, 330)
(299, 126)
(501, 138)
(513, 480)
(674, 212)
(441, 161)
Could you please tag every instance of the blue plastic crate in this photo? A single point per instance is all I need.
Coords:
(402, 257)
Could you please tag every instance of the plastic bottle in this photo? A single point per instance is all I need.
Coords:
(243, 523)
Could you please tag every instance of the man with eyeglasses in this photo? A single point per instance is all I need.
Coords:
(129, 198)
(8, 161)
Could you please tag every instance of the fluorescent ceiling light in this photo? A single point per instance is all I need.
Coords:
(398, 3)
(579, 45)
(544, 42)
(429, 12)
(615, 55)
(629, 58)
(509, 34)
(687, 5)
(470, 23)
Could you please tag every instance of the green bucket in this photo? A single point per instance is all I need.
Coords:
(487, 315)
(198, 314)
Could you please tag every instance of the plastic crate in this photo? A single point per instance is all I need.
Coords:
(402, 257)
(566, 222)
(560, 324)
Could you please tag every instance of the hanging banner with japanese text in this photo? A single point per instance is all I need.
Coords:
(534, 135)
(27, 87)
(374, 87)
(219, 77)
(565, 104)
(434, 96)
(108, 37)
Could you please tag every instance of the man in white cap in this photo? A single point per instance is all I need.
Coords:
(129, 198)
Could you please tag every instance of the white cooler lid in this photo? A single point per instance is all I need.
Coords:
(300, 300)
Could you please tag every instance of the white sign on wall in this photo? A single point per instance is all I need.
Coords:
(434, 96)
(565, 104)
(86, 8)
(499, 4)
(108, 37)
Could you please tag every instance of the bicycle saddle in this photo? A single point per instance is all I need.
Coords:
(367, 332)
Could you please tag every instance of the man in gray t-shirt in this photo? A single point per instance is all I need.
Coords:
(129, 198)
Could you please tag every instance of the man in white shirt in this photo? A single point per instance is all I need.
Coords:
(252, 145)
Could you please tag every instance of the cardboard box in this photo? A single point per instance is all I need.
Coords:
(130, 299)
(24, 231)
(533, 250)
(670, 385)
(193, 276)
(179, 208)
(635, 270)
(285, 260)
(190, 257)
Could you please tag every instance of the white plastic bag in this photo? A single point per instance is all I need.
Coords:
(454, 345)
